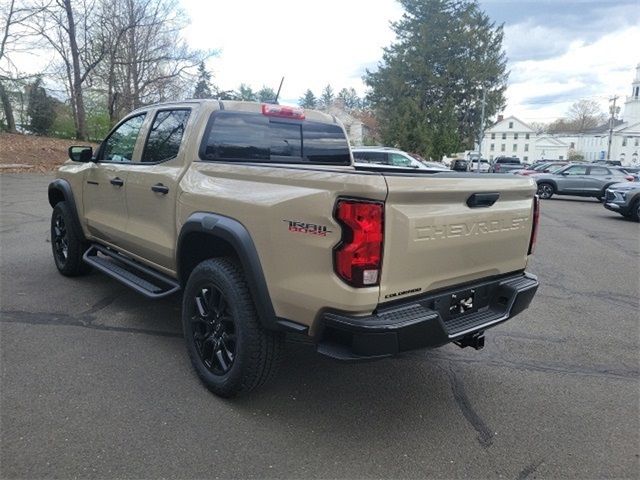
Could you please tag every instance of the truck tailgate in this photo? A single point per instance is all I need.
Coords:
(434, 239)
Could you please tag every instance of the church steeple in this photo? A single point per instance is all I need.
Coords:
(632, 105)
(635, 86)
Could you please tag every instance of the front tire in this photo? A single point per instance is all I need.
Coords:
(230, 350)
(67, 243)
(545, 191)
(635, 210)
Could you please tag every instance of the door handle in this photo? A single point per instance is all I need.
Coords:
(118, 182)
(160, 188)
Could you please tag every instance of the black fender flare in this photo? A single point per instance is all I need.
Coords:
(60, 188)
(235, 234)
(547, 181)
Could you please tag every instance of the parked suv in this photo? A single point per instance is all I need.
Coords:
(459, 165)
(540, 168)
(484, 165)
(386, 157)
(258, 215)
(624, 198)
(585, 180)
(506, 164)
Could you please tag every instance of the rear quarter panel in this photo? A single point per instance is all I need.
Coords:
(298, 266)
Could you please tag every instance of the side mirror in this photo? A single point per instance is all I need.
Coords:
(564, 174)
(81, 154)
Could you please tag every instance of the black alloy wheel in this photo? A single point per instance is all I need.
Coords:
(545, 191)
(230, 350)
(60, 239)
(67, 242)
(214, 330)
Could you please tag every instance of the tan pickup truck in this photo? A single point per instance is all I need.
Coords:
(257, 215)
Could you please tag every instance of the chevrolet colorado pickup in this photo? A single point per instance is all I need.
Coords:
(256, 213)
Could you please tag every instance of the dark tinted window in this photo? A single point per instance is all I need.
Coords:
(576, 170)
(165, 136)
(370, 157)
(507, 160)
(286, 139)
(236, 137)
(324, 143)
(255, 137)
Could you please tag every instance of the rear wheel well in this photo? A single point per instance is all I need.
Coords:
(196, 247)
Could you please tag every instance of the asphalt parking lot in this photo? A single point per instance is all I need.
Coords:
(96, 382)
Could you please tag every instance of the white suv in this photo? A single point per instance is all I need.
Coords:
(387, 157)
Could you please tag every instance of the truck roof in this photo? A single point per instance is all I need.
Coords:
(238, 106)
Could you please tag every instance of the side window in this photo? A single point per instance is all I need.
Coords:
(599, 171)
(253, 137)
(119, 146)
(370, 157)
(577, 170)
(165, 136)
(398, 160)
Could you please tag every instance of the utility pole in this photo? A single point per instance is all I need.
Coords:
(484, 101)
(611, 119)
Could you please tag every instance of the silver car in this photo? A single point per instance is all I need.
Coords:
(624, 198)
(584, 180)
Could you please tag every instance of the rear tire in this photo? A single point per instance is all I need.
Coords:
(229, 349)
(67, 243)
(545, 191)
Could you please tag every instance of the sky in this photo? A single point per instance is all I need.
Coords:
(559, 51)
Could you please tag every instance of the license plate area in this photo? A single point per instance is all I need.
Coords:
(462, 302)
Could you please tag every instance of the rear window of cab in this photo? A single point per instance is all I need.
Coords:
(251, 137)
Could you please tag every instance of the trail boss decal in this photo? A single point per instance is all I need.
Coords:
(310, 228)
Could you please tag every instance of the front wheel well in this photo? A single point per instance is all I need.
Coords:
(196, 247)
(55, 196)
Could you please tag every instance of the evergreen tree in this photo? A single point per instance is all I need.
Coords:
(40, 108)
(266, 94)
(350, 99)
(203, 85)
(427, 91)
(327, 97)
(308, 100)
(246, 93)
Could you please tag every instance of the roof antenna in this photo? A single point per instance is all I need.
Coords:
(275, 100)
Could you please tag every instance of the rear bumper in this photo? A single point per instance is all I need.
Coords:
(424, 321)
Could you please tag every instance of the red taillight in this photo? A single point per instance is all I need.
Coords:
(358, 257)
(534, 229)
(282, 111)
(629, 178)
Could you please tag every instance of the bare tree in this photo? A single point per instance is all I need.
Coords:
(12, 39)
(538, 127)
(72, 30)
(585, 114)
(148, 59)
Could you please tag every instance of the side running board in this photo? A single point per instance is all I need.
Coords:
(142, 279)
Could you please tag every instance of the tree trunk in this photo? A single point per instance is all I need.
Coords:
(8, 110)
(81, 126)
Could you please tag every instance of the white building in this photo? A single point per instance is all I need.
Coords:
(513, 137)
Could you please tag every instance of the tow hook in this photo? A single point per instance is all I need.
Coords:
(475, 340)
